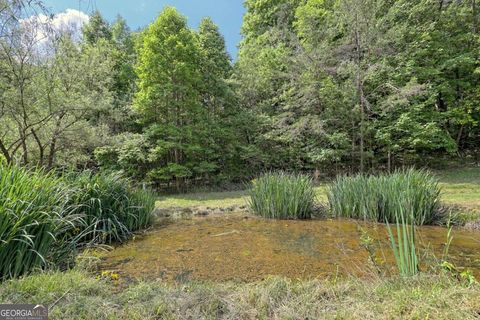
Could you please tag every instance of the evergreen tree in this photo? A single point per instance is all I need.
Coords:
(124, 77)
(168, 99)
(215, 66)
(97, 28)
(227, 121)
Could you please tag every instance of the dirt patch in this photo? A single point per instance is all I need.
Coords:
(196, 211)
(473, 225)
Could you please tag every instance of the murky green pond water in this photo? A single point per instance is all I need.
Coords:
(244, 248)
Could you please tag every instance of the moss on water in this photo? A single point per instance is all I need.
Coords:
(243, 248)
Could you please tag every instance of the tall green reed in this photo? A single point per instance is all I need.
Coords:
(403, 242)
(378, 198)
(45, 218)
(281, 195)
(35, 221)
(111, 207)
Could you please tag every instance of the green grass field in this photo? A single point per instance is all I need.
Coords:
(460, 187)
(78, 295)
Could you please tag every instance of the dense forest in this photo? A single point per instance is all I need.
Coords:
(318, 85)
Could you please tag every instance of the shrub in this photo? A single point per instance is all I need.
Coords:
(379, 198)
(34, 221)
(281, 195)
(112, 209)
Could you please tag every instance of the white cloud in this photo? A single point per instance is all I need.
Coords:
(70, 21)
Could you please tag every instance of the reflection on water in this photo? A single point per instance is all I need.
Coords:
(244, 248)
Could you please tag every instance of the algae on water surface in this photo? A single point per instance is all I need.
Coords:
(240, 247)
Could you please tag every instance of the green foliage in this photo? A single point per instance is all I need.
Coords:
(35, 220)
(168, 55)
(403, 243)
(465, 276)
(315, 87)
(52, 116)
(280, 195)
(322, 76)
(128, 153)
(189, 125)
(96, 29)
(44, 218)
(380, 198)
(111, 208)
(169, 98)
(214, 52)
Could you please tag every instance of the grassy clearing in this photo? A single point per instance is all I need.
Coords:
(460, 186)
(77, 295)
(208, 199)
(219, 199)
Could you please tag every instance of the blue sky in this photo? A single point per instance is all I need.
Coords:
(227, 14)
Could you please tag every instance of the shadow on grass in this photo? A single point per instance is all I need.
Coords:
(217, 199)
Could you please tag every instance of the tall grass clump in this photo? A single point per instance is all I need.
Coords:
(35, 219)
(280, 195)
(403, 243)
(111, 207)
(379, 198)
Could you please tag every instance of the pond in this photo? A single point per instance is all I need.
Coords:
(240, 247)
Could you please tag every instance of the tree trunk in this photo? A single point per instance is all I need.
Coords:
(362, 138)
(316, 175)
(360, 97)
(389, 162)
(51, 153)
(475, 19)
(25, 150)
(5, 153)
(177, 179)
(41, 149)
(354, 136)
(459, 136)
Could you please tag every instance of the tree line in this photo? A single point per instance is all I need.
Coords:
(318, 86)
